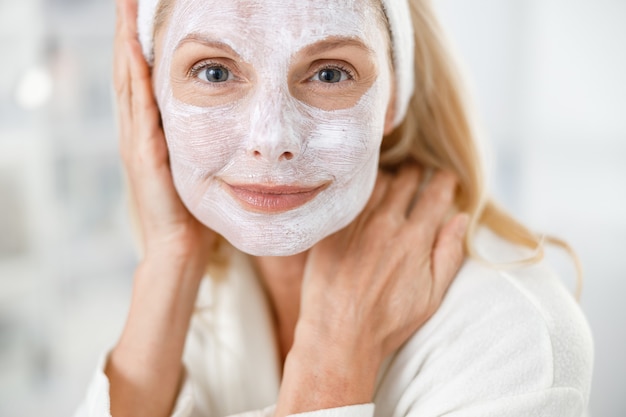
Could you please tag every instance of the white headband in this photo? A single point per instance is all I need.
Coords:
(398, 15)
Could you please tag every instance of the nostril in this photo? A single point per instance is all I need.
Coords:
(284, 156)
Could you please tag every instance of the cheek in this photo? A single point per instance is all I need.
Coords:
(348, 141)
(200, 139)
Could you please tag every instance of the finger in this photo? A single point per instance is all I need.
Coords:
(126, 24)
(130, 16)
(144, 105)
(122, 100)
(121, 76)
(126, 19)
(142, 97)
(119, 55)
(448, 254)
(118, 17)
(148, 137)
(433, 205)
(402, 190)
(123, 109)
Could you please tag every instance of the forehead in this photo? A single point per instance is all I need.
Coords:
(280, 24)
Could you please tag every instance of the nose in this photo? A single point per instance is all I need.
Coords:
(275, 133)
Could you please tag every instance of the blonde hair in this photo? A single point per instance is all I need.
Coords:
(438, 132)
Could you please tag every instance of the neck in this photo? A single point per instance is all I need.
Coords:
(282, 280)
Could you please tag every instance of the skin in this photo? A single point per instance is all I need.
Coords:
(273, 122)
(359, 294)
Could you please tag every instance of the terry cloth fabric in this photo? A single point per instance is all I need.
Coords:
(502, 344)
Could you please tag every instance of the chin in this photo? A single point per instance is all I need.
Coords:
(282, 234)
(288, 232)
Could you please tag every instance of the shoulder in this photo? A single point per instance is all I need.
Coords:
(532, 308)
(498, 333)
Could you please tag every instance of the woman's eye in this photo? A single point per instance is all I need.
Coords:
(214, 74)
(331, 75)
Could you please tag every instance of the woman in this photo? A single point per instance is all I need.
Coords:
(290, 142)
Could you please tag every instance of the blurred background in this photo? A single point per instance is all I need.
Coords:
(548, 79)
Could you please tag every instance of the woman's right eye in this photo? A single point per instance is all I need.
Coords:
(214, 74)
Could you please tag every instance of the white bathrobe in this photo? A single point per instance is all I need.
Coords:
(503, 343)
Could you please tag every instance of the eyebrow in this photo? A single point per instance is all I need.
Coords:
(207, 41)
(317, 48)
(335, 42)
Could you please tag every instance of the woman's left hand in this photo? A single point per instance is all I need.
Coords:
(368, 288)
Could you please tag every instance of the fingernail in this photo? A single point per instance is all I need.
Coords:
(461, 225)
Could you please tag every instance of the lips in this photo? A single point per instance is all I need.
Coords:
(268, 198)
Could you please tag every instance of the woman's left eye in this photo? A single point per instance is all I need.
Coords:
(331, 75)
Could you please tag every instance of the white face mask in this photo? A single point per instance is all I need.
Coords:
(270, 172)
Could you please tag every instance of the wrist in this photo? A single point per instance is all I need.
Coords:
(173, 261)
(338, 343)
(321, 374)
(145, 366)
(167, 286)
(187, 245)
(344, 359)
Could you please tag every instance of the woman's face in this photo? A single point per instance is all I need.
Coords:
(274, 114)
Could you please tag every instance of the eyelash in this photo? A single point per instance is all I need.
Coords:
(349, 72)
(204, 65)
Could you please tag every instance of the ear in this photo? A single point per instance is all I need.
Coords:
(391, 112)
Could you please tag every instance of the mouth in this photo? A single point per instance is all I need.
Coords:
(268, 198)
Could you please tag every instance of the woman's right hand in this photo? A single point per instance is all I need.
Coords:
(145, 368)
(167, 227)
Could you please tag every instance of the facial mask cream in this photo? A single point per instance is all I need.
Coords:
(270, 172)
